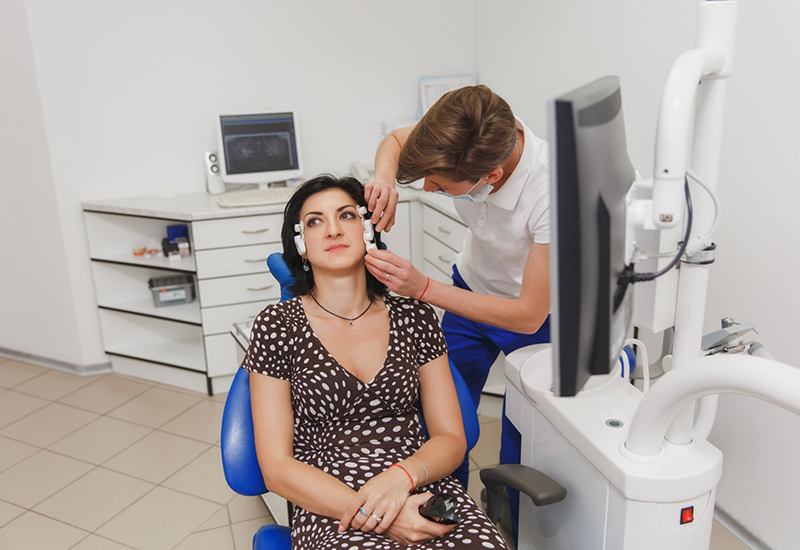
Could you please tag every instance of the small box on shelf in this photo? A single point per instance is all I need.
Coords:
(172, 290)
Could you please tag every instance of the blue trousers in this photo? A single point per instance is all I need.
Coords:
(473, 348)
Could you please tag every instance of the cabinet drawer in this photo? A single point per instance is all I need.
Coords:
(221, 355)
(438, 254)
(444, 228)
(219, 320)
(261, 287)
(240, 260)
(237, 231)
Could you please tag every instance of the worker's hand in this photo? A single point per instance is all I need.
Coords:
(380, 498)
(403, 278)
(382, 202)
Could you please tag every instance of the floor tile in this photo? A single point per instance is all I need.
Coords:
(13, 373)
(244, 531)
(221, 397)
(243, 508)
(220, 519)
(14, 405)
(94, 499)
(486, 451)
(55, 384)
(34, 531)
(38, 477)
(157, 456)
(48, 425)
(475, 486)
(155, 407)
(722, 539)
(203, 422)
(9, 512)
(159, 520)
(12, 452)
(491, 406)
(203, 395)
(106, 394)
(220, 538)
(203, 477)
(93, 542)
(100, 440)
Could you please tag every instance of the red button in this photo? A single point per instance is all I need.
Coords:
(687, 515)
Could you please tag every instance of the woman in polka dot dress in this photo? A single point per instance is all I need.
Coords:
(341, 367)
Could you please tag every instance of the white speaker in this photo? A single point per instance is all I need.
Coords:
(214, 181)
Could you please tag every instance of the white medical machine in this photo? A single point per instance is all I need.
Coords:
(638, 470)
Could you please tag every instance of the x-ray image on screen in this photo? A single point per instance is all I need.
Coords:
(259, 147)
(259, 153)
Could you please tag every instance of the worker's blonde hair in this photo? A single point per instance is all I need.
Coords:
(465, 135)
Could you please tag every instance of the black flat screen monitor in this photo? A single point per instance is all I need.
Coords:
(590, 177)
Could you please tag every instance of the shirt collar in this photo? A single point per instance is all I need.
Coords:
(508, 195)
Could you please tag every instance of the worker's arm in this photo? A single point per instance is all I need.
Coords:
(524, 314)
(380, 194)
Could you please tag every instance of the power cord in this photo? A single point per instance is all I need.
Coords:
(629, 276)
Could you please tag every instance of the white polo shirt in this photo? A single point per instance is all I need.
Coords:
(503, 228)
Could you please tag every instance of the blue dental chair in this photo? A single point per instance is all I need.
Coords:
(239, 459)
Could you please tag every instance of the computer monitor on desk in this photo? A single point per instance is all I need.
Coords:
(259, 147)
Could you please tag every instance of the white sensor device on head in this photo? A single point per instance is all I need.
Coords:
(369, 229)
(299, 240)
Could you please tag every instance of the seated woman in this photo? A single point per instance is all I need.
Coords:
(337, 431)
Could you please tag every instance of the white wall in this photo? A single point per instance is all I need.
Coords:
(530, 52)
(37, 312)
(117, 98)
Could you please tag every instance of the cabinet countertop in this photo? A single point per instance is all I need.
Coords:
(194, 206)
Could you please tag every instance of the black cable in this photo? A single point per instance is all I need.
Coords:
(629, 276)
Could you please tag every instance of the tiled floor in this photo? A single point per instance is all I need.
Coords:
(109, 462)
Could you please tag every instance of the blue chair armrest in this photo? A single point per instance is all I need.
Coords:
(272, 537)
(239, 460)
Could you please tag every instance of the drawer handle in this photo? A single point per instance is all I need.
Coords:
(445, 260)
(254, 231)
(262, 288)
(256, 261)
(444, 230)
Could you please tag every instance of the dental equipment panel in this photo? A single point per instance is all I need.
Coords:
(638, 470)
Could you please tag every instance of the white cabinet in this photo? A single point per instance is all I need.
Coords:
(443, 237)
(187, 345)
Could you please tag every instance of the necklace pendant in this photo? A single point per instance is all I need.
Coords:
(351, 323)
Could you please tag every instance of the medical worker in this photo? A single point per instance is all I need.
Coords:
(471, 147)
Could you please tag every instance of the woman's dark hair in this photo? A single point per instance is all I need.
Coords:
(291, 216)
(465, 135)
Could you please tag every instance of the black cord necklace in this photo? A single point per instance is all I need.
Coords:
(339, 316)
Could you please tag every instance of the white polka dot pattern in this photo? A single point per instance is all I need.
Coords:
(354, 430)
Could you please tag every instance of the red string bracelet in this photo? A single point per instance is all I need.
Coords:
(409, 475)
(426, 289)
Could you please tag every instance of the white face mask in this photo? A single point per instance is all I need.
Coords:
(475, 196)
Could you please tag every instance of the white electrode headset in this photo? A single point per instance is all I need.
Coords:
(369, 233)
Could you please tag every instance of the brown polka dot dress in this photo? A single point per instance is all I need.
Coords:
(353, 430)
